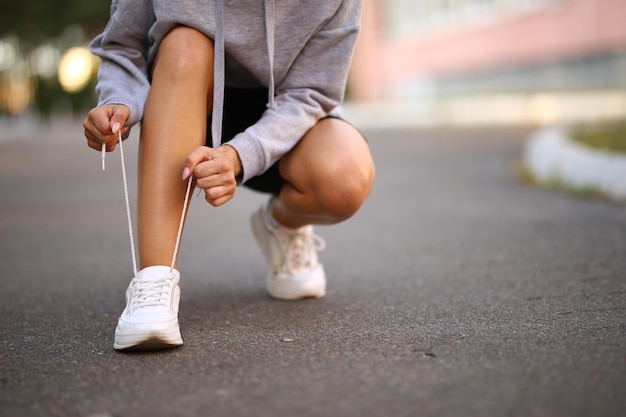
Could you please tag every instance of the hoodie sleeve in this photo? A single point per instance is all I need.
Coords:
(313, 87)
(123, 48)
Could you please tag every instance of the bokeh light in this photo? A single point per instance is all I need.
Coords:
(8, 53)
(44, 61)
(75, 69)
(17, 95)
(17, 87)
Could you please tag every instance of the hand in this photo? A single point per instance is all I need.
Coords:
(103, 124)
(215, 171)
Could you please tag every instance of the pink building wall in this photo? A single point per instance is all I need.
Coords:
(383, 65)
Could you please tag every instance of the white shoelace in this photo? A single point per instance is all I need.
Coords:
(157, 284)
(301, 249)
(148, 293)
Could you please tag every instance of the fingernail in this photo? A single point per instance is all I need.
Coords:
(186, 172)
(116, 126)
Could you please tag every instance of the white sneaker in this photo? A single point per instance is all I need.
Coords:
(294, 271)
(150, 319)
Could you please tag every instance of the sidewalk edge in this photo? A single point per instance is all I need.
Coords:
(551, 155)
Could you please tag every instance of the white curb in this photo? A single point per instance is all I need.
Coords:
(551, 155)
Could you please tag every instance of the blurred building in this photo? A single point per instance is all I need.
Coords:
(417, 49)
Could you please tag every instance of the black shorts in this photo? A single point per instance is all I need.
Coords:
(243, 107)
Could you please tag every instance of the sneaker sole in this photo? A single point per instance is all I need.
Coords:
(292, 291)
(148, 341)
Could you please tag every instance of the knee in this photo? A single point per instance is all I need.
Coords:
(346, 188)
(185, 51)
(333, 167)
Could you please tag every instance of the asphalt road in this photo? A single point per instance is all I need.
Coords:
(456, 291)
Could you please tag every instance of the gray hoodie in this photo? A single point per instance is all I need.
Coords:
(301, 50)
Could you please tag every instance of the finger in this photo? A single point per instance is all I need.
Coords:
(96, 142)
(97, 145)
(198, 155)
(108, 119)
(94, 145)
(118, 118)
(217, 179)
(98, 122)
(93, 133)
(219, 194)
(216, 164)
(217, 197)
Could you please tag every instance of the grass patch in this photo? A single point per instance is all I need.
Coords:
(556, 184)
(609, 136)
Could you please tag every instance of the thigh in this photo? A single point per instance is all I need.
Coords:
(333, 152)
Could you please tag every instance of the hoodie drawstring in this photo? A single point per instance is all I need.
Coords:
(218, 75)
(270, 13)
(219, 66)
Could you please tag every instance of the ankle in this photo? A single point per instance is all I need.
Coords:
(158, 271)
(277, 216)
(269, 215)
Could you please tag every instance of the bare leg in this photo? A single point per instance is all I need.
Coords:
(174, 124)
(329, 175)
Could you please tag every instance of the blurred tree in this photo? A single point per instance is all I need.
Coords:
(34, 21)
